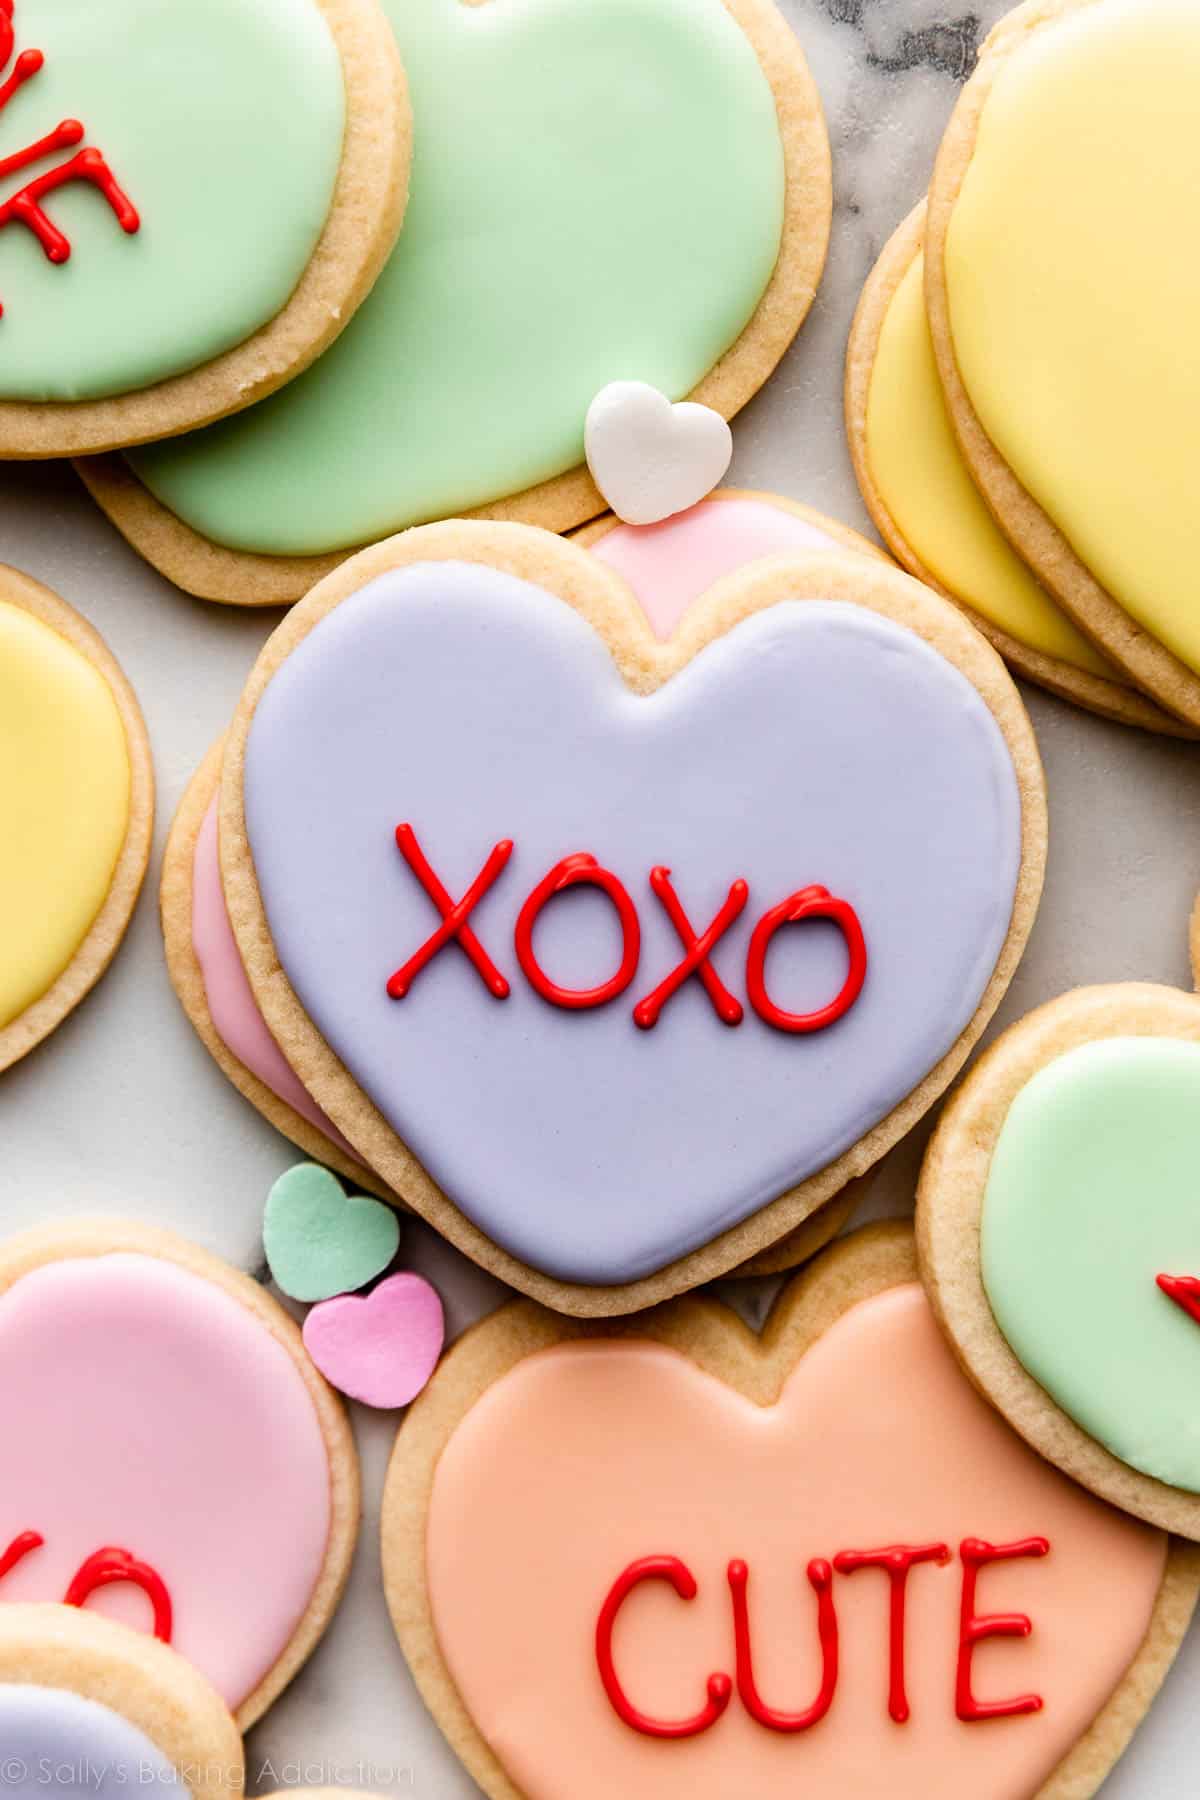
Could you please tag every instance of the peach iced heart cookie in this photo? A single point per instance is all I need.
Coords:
(606, 190)
(76, 810)
(1060, 1241)
(650, 913)
(665, 1558)
(85, 1703)
(206, 1490)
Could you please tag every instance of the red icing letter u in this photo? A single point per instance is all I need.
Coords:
(820, 1576)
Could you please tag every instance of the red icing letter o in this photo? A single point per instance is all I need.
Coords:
(809, 903)
(576, 871)
(109, 1566)
(720, 1687)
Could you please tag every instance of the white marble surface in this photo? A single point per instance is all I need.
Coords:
(122, 1111)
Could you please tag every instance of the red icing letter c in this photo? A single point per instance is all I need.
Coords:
(720, 1687)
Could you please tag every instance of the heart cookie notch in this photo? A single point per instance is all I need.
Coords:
(674, 1577)
(616, 957)
(1060, 1239)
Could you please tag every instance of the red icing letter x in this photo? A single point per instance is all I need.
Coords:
(648, 1011)
(454, 916)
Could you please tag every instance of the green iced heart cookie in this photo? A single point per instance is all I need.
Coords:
(1093, 1193)
(597, 195)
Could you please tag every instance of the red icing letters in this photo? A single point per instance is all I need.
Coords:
(653, 1568)
(109, 1566)
(1184, 1290)
(897, 1561)
(25, 206)
(820, 1577)
(454, 916)
(647, 1012)
(22, 1544)
(571, 872)
(102, 1569)
(809, 903)
(582, 869)
(974, 1628)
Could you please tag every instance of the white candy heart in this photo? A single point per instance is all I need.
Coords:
(650, 459)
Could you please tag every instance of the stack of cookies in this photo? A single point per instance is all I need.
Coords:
(1019, 407)
(608, 868)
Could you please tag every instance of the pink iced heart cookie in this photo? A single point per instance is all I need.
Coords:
(678, 1563)
(168, 1455)
(380, 1348)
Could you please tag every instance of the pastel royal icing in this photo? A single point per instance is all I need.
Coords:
(195, 107)
(231, 1004)
(478, 707)
(671, 564)
(64, 804)
(1091, 1195)
(667, 566)
(57, 1742)
(919, 471)
(201, 1447)
(597, 195)
(589, 1455)
(1071, 289)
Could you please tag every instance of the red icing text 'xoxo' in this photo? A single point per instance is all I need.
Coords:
(582, 869)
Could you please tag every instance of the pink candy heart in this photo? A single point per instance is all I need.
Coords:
(380, 1348)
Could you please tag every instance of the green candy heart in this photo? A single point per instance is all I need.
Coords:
(320, 1241)
(1093, 1193)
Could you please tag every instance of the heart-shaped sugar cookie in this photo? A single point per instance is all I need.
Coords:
(606, 190)
(1060, 1238)
(139, 294)
(674, 1561)
(594, 947)
(1053, 253)
(86, 1704)
(169, 1456)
